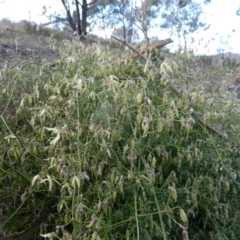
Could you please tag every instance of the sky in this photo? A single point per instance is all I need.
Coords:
(223, 35)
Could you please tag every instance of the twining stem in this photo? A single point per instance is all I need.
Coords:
(136, 214)
(159, 214)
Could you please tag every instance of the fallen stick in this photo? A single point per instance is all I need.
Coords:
(137, 53)
(150, 48)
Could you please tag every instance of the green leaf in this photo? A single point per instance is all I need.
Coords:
(183, 215)
(55, 140)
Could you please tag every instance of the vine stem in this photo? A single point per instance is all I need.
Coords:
(136, 214)
(159, 214)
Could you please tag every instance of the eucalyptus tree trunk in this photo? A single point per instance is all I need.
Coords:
(79, 23)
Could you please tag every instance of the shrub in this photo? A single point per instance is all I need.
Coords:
(113, 152)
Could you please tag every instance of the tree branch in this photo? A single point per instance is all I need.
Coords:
(69, 17)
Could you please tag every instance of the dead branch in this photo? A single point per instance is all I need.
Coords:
(157, 45)
(137, 53)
